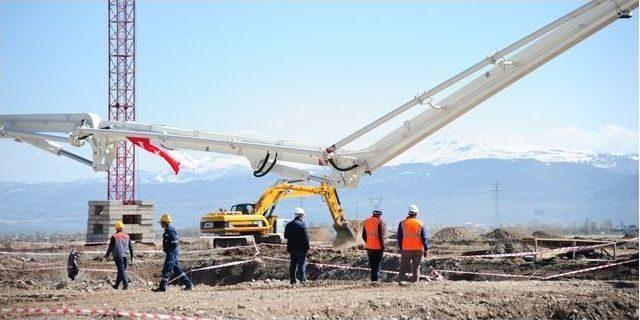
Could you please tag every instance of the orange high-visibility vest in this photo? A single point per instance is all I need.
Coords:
(411, 229)
(371, 227)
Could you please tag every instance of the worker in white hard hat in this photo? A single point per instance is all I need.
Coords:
(413, 244)
(297, 246)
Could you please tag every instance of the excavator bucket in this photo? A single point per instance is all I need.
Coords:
(348, 234)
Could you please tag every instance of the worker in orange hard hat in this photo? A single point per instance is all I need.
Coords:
(413, 244)
(373, 234)
(119, 244)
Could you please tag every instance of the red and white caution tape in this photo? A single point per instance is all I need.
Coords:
(218, 266)
(503, 275)
(319, 247)
(90, 312)
(604, 266)
(25, 253)
(59, 268)
(22, 253)
(337, 266)
(435, 274)
(36, 269)
(557, 250)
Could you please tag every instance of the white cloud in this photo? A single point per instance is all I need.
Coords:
(608, 138)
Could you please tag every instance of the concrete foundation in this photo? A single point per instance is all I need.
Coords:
(137, 218)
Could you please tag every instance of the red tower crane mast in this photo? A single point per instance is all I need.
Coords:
(122, 95)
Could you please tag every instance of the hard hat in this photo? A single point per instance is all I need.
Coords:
(119, 225)
(377, 210)
(166, 218)
(414, 209)
(298, 211)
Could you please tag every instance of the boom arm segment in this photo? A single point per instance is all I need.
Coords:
(509, 65)
(78, 129)
(493, 74)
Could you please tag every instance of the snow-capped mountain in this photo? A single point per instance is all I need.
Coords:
(211, 167)
(444, 152)
(192, 168)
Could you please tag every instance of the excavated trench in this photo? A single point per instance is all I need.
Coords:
(265, 269)
(261, 268)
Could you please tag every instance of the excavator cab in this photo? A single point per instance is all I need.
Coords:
(245, 208)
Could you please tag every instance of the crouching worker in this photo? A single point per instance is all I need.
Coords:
(297, 246)
(373, 234)
(170, 247)
(73, 264)
(413, 244)
(119, 247)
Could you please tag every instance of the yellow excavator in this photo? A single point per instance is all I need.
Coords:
(259, 220)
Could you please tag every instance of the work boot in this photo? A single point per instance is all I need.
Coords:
(125, 287)
(115, 286)
(187, 288)
(159, 289)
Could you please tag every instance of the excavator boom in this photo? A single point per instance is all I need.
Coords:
(243, 222)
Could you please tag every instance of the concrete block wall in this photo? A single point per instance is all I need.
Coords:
(104, 214)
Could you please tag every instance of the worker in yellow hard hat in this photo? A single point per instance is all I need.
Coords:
(119, 244)
(170, 241)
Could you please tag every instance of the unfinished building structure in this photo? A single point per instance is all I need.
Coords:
(137, 218)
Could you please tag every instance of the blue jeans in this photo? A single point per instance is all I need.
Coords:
(297, 266)
(121, 264)
(172, 266)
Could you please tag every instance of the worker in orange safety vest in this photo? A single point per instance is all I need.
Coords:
(373, 234)
(413, 244)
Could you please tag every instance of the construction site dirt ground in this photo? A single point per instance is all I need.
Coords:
(257, 287)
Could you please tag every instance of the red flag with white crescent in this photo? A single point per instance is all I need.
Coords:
(145, 143)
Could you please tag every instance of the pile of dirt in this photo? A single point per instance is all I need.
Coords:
(506, 234)
(543, 234)
(453, 234)
(320, 234)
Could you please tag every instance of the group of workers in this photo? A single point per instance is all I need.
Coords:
(120, 245)
(411, 237)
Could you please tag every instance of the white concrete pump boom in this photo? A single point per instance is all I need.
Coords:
(492, 75)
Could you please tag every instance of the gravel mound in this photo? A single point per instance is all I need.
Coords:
(506, 234)
(543, 234)
(453, 234)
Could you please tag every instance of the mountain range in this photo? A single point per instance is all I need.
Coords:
(452, 183)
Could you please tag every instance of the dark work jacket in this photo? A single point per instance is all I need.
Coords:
(297, 237)
(72, 264)
(170, 240)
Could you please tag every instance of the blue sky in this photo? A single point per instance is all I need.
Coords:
(312, 71)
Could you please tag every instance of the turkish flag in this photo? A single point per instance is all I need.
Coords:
(146, 144)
